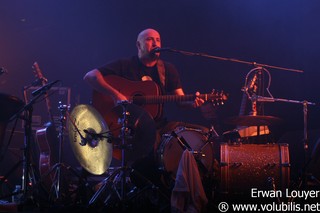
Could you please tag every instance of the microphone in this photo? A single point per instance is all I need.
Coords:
(44, 88)
(159, 49)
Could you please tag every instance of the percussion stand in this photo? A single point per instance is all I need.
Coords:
(119, 175)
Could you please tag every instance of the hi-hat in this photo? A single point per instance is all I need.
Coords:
(94, 152)
(253, 120)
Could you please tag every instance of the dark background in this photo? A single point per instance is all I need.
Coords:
(69, 38)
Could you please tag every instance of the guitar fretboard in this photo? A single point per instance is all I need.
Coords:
(176, 98)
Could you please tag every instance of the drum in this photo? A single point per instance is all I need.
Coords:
(170, 150)
(247, 166)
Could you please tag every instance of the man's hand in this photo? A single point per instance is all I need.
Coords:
(198, 101)
(119, 97)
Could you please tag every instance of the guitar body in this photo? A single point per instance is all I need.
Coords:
(46, 137)
(104, 103)
(145, 94)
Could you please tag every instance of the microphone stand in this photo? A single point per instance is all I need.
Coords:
(57, 190)
(305, 127)
(26, 167)
(230, 59)
(305, 115)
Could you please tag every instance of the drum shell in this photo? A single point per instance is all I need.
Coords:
(169, 152)
(247, 166)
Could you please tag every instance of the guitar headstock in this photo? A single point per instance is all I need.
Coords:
(218, 97)
(38, 73)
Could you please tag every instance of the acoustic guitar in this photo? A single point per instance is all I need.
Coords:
(45, 137)
(145, 94)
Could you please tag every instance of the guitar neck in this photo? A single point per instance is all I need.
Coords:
(171, 98)
(43, 80)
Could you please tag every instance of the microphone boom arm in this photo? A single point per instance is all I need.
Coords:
(230, 59)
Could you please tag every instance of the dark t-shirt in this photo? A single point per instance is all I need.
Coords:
(133, 69)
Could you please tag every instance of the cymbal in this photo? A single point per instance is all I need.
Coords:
(251, 120)
(96, 154)
(141, 134)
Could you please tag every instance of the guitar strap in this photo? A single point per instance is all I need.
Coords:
(162, 72)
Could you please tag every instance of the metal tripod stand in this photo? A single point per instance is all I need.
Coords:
(55, 194)
(114, 190)
(55, 190)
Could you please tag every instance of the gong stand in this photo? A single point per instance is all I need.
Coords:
(119, 174)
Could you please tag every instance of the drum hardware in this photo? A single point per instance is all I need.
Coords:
(182, 142)
(198, 154)
(185, 146)
(115, 187)
(173, 145)
(236, 164)
(213, 134)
